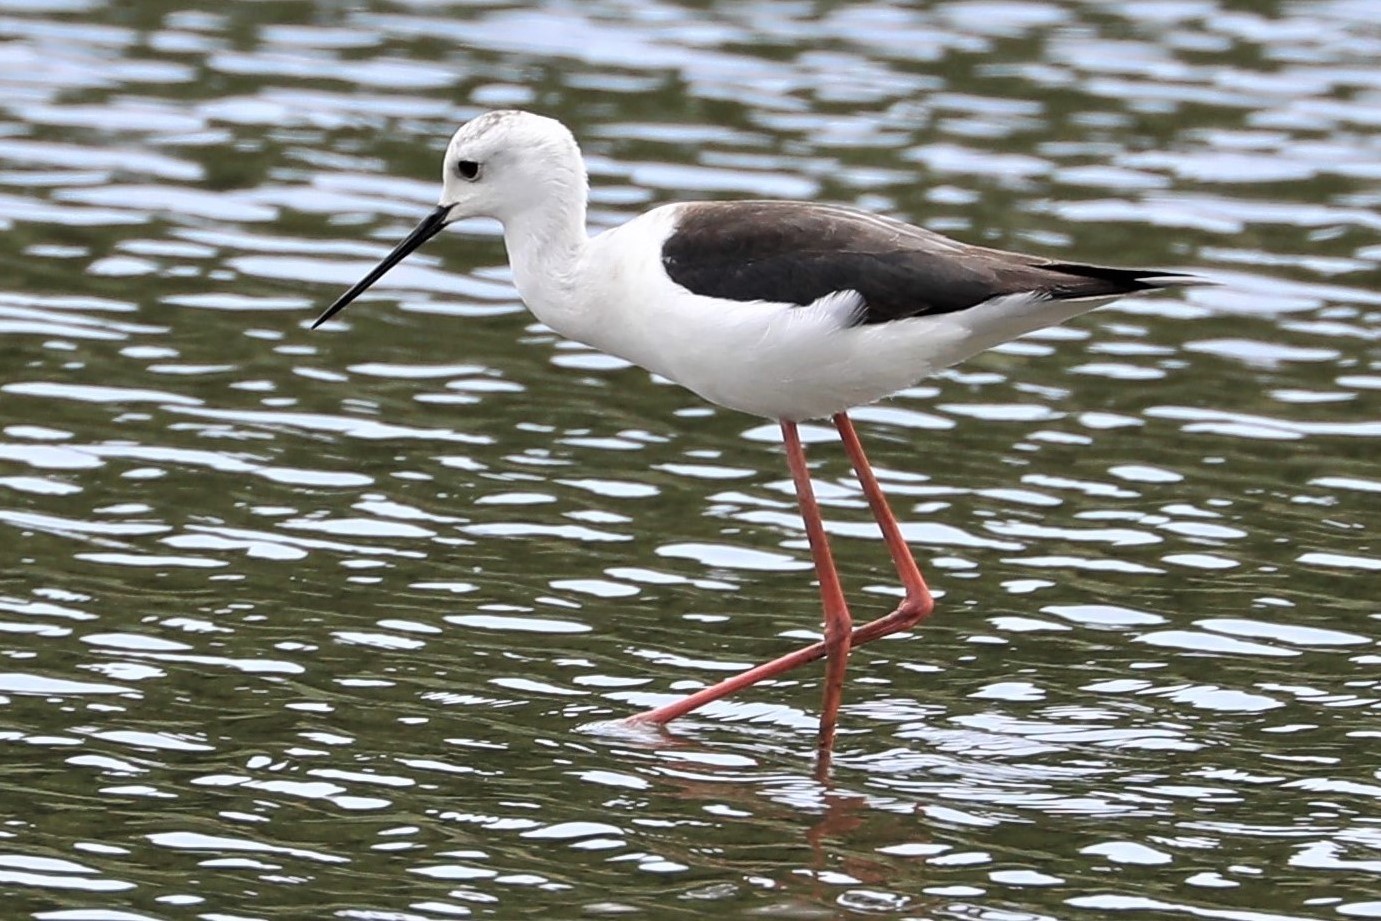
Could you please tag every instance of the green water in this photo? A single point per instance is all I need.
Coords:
(324, 625)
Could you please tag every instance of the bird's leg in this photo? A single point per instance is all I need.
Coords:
(839, 633)
(915, 606)
(838, 623)
(918, 603)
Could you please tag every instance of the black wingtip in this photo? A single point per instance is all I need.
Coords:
(1177, 280)
(1127, 281)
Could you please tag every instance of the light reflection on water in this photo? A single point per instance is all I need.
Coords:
(336, 623)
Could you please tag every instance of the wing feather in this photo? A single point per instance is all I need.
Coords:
(797, 253)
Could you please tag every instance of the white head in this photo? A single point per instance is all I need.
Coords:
(506, 165)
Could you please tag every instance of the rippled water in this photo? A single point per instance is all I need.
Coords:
(318, 624)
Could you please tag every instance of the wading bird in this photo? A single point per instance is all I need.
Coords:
(786, 310)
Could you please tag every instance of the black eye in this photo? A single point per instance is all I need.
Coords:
(468, 169)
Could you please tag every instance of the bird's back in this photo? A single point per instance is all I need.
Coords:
(797, 253)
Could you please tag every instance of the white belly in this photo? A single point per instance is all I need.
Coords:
(793, 362)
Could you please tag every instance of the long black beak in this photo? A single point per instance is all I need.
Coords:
(431, 226)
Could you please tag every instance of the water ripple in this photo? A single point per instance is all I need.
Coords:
(290, 612)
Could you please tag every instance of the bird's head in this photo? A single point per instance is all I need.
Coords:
(503, 163)
(500, 165)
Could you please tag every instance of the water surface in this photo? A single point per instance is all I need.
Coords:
(324, 624)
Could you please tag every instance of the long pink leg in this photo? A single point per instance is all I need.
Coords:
(839, 631)
(838, 624)
(915, 607)
(918, 602)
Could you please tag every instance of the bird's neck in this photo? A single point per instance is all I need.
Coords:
(546, 247)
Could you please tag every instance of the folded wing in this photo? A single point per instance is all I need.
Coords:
(797, 253)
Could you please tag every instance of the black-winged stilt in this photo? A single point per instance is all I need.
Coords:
(787, 310)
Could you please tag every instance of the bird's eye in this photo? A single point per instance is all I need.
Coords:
(468, 169)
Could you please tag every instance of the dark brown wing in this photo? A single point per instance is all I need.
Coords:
(797, 253)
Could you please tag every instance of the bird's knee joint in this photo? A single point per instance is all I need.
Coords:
(917, 608)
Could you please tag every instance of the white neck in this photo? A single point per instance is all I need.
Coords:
(546, 245)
